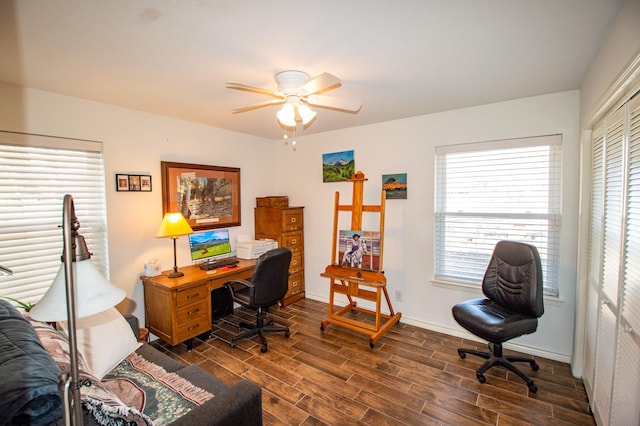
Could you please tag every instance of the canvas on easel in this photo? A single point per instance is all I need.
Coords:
(359, 249)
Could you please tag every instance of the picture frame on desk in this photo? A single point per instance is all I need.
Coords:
(207, 196)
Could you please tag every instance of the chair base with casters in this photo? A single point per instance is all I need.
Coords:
(496, 357)
(259, 329)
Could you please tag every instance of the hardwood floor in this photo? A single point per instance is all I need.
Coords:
(412, 376)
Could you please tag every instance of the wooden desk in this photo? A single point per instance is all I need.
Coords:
(179, 309)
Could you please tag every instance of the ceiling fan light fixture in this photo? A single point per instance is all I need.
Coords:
(287, 115)
(298, 92)
(306, 113)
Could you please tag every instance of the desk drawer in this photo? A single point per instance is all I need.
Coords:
(191, 295)
(194, 312)
(192, 329)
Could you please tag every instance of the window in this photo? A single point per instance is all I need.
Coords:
(35, 173)
(492, 191)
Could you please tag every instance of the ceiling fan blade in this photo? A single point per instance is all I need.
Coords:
(322, 82)
(257, 105)
(334, 103)
(249, 88)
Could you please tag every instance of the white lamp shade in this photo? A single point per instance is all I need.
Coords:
(92, 291)
(306, 113)
(287, 115)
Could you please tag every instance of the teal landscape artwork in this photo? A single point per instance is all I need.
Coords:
(395, 185)
(338, 166)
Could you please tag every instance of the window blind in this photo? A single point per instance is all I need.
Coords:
(492, 191)
(35, 174)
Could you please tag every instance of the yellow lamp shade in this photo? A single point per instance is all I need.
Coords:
(173, 225)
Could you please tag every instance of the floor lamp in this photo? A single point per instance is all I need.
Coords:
(77, 291)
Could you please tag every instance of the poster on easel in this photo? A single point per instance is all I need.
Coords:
(359, 249)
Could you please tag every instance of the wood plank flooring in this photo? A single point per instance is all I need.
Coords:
(412, 376)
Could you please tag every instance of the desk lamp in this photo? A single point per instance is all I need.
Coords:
(62, 302)
(174, 225)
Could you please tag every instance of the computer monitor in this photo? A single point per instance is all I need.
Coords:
(209, 245)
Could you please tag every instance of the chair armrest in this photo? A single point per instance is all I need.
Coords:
(244, 283)
(247, 284)
(134, 324)
(240, 404)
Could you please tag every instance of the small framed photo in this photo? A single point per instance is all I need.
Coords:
(145, 183)
(133, 183)
(122, 182)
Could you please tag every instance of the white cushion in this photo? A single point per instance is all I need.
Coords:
(104, 340)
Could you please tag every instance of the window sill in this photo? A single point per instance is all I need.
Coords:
(476, 290)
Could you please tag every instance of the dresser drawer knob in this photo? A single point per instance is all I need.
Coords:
(293, 220)
(193, 327)
(195, 311)
(294, 241)
(191, 296)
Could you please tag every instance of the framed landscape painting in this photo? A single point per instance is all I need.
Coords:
(395, 186)
(338, 166)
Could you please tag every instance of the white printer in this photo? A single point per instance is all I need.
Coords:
(253, 249)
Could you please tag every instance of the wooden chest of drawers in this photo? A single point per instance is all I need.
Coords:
(285, 225)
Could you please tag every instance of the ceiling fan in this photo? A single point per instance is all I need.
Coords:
(297, 91)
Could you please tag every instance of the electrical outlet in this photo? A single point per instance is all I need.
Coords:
(398, 296)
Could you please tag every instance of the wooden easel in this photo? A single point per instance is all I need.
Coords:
(350, 281)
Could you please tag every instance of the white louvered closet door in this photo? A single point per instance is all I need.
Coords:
(612, 344)
(595, 255)
(611, 243)
(625, 407)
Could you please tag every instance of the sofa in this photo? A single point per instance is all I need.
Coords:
(32, 355)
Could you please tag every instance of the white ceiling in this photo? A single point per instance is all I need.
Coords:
(400, 58)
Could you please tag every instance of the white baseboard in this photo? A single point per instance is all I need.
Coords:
(463, 335)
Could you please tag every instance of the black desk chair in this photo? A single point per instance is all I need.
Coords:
(268, 285)
(512, 285)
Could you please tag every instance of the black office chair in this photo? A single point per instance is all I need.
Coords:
(512, 285)
(268, 285)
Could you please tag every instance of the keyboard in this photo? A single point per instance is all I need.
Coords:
(219, 263)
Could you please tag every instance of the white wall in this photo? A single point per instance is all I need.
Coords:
(136, 142)
(407, 146)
